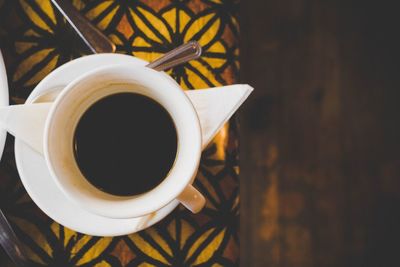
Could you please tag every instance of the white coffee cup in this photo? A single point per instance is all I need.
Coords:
(78, 96)
(49, 129)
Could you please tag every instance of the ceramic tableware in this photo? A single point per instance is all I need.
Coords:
(197, 114)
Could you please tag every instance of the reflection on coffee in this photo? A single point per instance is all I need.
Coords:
(125, 144)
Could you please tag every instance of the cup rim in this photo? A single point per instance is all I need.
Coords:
(187, 159)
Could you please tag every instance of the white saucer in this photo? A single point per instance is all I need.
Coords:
(3, 100)
(36, 177)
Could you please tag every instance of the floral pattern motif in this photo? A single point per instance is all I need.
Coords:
(39, 40)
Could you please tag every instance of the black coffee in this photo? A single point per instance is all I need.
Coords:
(125, 144)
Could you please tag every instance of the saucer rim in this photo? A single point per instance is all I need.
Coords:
(4, 95)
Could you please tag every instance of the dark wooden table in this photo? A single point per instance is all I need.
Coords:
(320, 150)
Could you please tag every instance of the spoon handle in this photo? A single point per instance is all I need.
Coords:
(99, 43)
(181, 54)
(93, 37)
(10, 243)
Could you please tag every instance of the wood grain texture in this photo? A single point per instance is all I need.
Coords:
(320, 161)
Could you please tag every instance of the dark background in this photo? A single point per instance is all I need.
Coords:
(320, 158)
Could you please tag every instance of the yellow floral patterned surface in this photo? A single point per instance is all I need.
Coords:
(35, 39)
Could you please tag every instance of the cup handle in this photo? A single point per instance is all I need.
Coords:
(192, 199)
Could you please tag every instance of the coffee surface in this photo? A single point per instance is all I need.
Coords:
(125, 144)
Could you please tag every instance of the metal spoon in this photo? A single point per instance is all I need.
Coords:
(10, 243)
(181, 54)
(99, 43)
